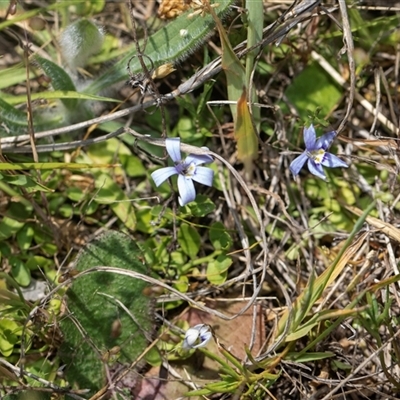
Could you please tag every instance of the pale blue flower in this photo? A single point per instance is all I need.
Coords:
(316, 154)
(195, 337)
(188, 170)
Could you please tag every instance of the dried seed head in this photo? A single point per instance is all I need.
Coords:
(172, 8)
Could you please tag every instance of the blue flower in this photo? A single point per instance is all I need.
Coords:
(195, 337)
(316, 154)
(188, 170)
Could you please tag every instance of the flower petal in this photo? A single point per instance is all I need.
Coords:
(187, 192)
(309, 137)
(161, 175)
(190, 339)
(198, 159)
(173, 146)
(325, 140)
(205, 335)
(204, 176)
(316, 169)
(331, 161)
(297, 164)
(199, 334)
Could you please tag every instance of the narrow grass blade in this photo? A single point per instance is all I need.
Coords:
(328, 276)
(52, 165)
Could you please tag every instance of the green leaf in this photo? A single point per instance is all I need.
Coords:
(189, 240)
(188, 130)
(108, 151)
(202, 206)
(336, 364)
(255, 24)
(221, 386)
(12, 119)
(133, 166)
(219, 236)
(177, 258)
(36, 262)
(47, 166)
(98, 299)
(245, 134)
(66, 210)
(27, 182)
(237, 85)
(167, 45)
(145, 220)
(10, 333)
(60, 80)
(217, 270)
(309, 357)
(302, 331)
(12, 76)
(75, 194)
(154, 357)
(87, 8)
(42, 368)
(182, 284)
(44, 238)
(306, 300)
(109, 192)
(313, 89)
(9, 227)
(20, 272)
(25, 236)
(57, 95)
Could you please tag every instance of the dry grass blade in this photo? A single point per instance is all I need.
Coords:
(385, 227)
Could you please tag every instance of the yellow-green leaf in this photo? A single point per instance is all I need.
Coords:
(245, 134)
(217, 270)
(109, 192)
(9, 336)
(189, 240)
(53, 165)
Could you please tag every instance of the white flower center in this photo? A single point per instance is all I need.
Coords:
(317, 155)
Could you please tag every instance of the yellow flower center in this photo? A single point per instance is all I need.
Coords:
(189, 170)
(317, 155)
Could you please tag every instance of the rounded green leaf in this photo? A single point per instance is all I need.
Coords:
(217, 270)
(219, 236)
(9, 336)
(25, 236)
(20, 271)
(75, 194)
(201, 206)
(133, 165)
(9, 227)
(182, 284)
(36, 262)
